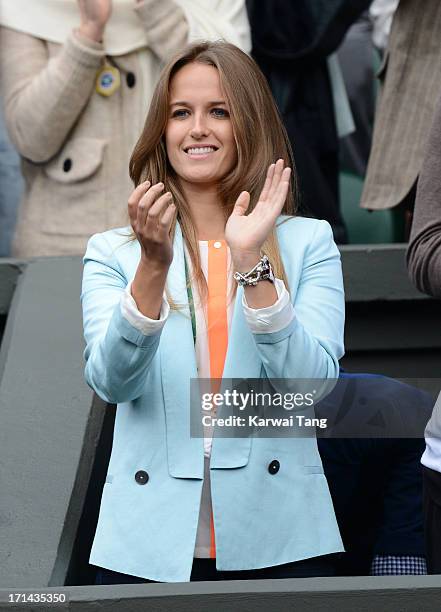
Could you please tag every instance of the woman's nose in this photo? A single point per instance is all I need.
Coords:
(200, 126)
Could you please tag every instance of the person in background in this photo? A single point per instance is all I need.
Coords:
(210, 281)
(424, 264)
(410, 76)
(356, 57)
(371, 453)
(364, 45)
(293, 43)
(11, 185)
(76, 78)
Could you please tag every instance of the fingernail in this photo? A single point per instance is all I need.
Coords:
(161, 185)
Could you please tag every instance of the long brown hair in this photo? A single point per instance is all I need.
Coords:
(260, 138)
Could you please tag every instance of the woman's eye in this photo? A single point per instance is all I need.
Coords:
(180, 112)
(220, 112)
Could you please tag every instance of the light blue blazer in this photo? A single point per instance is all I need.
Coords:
(261, 519)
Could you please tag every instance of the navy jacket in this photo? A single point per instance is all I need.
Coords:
(375, 480)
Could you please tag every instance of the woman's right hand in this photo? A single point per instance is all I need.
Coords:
(151, 215)
(94, 16)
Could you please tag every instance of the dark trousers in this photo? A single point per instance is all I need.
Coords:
(432, 519)
(205, 569)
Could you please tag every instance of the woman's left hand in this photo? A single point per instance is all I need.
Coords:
(245, 234)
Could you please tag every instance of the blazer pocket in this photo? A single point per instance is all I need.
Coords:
(74, 189)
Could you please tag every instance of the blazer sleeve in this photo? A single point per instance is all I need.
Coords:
(312, 344)
(170, 24)
(424, 250)
(44, 97)
(117, 354)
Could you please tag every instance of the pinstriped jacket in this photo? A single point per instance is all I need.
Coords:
(411, 72)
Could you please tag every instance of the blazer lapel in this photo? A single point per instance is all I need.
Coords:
(178, 367)
(242, 361)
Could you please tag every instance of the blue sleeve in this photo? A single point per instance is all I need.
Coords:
(312, 344)
(117, 354)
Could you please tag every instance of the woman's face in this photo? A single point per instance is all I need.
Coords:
(199, 135)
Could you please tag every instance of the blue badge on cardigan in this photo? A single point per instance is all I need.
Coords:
(108, 80)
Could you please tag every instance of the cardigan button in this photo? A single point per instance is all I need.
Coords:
(130, 80)
(274, 467)
(67, 164)
(141, 477)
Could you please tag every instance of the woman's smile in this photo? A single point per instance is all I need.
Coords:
(201, 152)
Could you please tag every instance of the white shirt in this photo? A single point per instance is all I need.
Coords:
(432, 455)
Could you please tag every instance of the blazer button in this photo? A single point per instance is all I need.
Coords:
(274, 467)
(141, 477)
(130, 80)
(67, 164)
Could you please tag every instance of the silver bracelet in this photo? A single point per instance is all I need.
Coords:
(261, 271)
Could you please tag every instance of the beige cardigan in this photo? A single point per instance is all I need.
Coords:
(76, 144)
